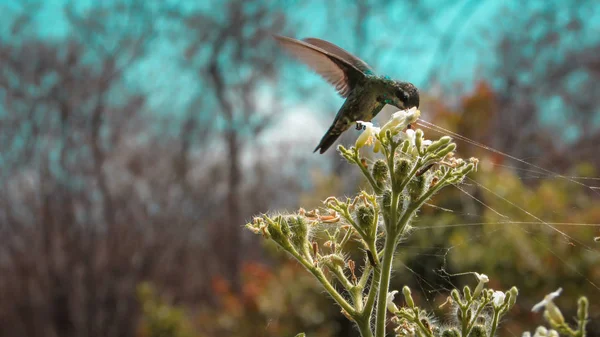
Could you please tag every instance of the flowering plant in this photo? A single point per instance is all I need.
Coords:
(407, 172)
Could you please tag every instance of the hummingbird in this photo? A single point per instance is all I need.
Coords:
(366, 93)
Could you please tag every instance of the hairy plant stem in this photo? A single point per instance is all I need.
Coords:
(364, 326)
(326, 284)
(384, 284)
(495, 322)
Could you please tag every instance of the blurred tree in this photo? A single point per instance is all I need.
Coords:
(78, 217)
(238, 37)
(545, 80)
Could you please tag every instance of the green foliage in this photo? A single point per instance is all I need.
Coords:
(161, 319)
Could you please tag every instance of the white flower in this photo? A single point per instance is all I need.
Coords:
(390, 301)
(483, 279)
(551, 308)
(367, 137)
(526, 334)
(400, 120)
(410, 135)
(540, 332)
(498, 298)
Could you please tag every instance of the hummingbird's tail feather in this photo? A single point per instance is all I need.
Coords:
(328, 139)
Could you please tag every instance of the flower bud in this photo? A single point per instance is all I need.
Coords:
(386, 199)
(467, 293)
(275, 231)
(405, 146)
(455, 296)
(554, 314)
(408, 297)
(452, 332)
(402, 168)
(478, 331)
(419, 139)
(365, 216)
(299, 228)
(512, 296)
(466, 169)
(285, 227)
(380, 171)
(438, 144)
(417, 187)
(444, 151)
(582, 308)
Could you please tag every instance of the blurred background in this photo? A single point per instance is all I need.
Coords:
(138, 136)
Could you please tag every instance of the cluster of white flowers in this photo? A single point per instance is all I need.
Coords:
(399, 121)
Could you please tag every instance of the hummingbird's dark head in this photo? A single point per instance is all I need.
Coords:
(406, 95)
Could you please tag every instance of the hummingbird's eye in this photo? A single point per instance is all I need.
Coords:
(402, 95)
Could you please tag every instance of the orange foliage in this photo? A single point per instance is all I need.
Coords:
(277, 301)
(473, 118)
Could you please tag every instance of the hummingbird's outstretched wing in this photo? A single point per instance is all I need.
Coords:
(345, 55)
(337, 66)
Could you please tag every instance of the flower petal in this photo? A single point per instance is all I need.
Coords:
(390, 301)
(482, 278)
(498, 298)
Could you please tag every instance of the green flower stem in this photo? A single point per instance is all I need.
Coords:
(495, 323)
(364, 326)
(339, 274)
(346, 238)
(418, 165)
(357, 295)
(366, 173)
(373, 251)
(364, 277)
(423, 328)
(307, 252)
(416, 205)
(370, 304)
(464, 323)
(471, 324)
(566, 329)
(384, 284)
(373, 288)
(326, 284)
(348, 217)
(373, 233)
